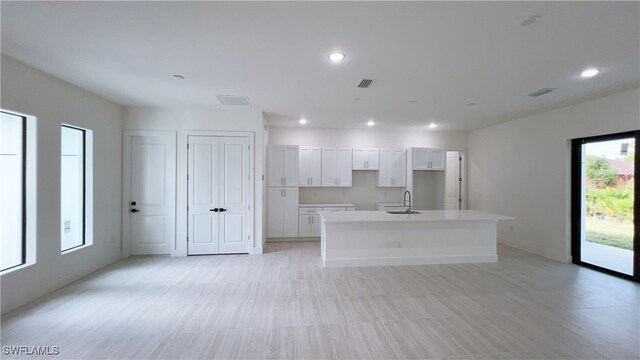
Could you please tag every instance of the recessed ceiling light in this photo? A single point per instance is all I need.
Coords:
(413, 101)
(370, 123)
(530, 20)
(471, 104)
(336, 56)
(303, 121)
(432, 125)
(356, 99)
(179, 77)
(589, 72)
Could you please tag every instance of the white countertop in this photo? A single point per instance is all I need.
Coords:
(425, 215)
(325, 205)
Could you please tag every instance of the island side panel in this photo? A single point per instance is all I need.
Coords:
(408, 243)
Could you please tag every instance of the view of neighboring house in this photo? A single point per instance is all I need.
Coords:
(624, 171)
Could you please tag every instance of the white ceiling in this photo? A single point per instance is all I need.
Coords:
(444, 55)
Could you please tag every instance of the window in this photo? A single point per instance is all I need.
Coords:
(73, 187)
(12, 190)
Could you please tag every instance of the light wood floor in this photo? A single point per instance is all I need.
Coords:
(283, 304)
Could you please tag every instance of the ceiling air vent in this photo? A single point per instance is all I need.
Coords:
(234, 100)
(541, 92)
(365, 83)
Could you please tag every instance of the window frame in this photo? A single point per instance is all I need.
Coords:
(23, 258)
(84, 187)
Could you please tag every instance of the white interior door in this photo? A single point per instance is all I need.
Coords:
(151, 189)
(452, 198)
(203, 225)
(234, 195)
(218, 195)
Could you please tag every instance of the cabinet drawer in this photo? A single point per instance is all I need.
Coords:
(334, 209)
(309, 211)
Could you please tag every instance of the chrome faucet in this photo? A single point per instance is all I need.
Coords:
(404, 201)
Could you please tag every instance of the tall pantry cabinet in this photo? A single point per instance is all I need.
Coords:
(282, 192)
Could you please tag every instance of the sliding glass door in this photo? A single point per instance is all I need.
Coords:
(604, 205)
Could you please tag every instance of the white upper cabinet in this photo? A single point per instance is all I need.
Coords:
(366, 158)
(336, 167)
(428, 159)
(282, 163)
(310, 166)
(393, 168)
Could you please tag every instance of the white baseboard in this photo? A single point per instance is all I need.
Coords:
(293, 239)
(418, 260)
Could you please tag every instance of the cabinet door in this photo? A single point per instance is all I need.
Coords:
(304, 226)
(304, 159)
(315, 166)
(386, 168)
(343, 166)
(275, 165)
(437, 159)
(373, 159)
(359, 159)
(290, 165)
(329, 168)
(421, 159)
(275, 198)
(315, 226)
(400, 168)
(290, 212)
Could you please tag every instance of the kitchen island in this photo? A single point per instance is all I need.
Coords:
(378, 238)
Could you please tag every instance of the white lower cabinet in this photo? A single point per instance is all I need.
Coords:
(282, 212)
(309, 219)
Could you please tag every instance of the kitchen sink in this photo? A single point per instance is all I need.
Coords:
(399, 212)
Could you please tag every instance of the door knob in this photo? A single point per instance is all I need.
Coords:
(214, 210)
(222, 209)
(134, 210)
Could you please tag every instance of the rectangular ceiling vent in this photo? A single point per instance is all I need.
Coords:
(541, 92)
(234, 100)
(365, 83)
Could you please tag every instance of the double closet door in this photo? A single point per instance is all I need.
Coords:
(218, 195)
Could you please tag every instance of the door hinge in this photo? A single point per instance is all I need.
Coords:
(459, 179)
(187, 146)
(248, 237)
(248, 207)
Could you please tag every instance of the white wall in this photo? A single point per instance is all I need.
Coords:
(181, 120)
(364, 193)
(54, 102)
(521, 169)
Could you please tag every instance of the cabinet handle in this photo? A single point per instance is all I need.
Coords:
(366, 164)
(281, 192)
(285, 181)
(285, 192)
(309, 221)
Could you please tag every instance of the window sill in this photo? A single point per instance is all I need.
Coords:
(16, 268)
(77, 248)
